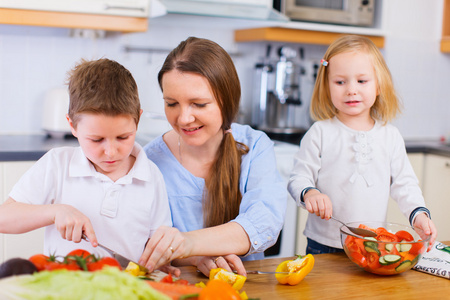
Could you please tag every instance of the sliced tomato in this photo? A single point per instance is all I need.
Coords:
(386, 237)
(359, 259)
(417, 248)
(168, 279)
(181, 281)
(373, 260)
(362, 226)
(380, 230)
(403, 235)
(99, 264)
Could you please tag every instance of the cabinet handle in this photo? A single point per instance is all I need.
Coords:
(124, 7)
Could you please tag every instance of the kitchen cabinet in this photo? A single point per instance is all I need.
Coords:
(112, 15)
(294, 35)
(445, 41)
(436, 190)
(17, 245)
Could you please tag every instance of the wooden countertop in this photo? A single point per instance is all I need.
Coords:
(334, 276)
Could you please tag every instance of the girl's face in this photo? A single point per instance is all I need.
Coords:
(107, 142)
(191, 108)
(353, 84)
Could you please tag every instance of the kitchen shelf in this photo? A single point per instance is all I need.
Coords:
(445, 41)
(72, 20)
(294, 35)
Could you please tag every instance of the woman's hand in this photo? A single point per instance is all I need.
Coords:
(318, 203)
(166, 244)
(425, 227)
(71, 223)
(229, 262)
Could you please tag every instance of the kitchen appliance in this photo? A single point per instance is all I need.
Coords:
(277, 94)
(344, 12)
(55, 108)
(244, 9)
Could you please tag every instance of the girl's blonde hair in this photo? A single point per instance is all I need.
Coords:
(387, 104)
(222, 197)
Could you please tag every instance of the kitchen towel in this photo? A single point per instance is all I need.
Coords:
(436, 261)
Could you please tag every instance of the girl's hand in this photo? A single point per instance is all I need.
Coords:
(71, 223)
(318, 203)
(229, 262)
(166, 244)
(425, 227)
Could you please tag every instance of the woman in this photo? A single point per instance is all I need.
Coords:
(226, 195)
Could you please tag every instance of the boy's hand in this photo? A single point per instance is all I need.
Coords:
(318, 203)
(71, 223)
(425, 227)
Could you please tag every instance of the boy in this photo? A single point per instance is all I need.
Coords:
(106, 188)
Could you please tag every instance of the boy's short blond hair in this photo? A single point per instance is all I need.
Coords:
(387, 104)
(102, 87)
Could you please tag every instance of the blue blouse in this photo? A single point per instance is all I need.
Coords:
(263, 204)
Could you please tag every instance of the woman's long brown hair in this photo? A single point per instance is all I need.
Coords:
(222, 196)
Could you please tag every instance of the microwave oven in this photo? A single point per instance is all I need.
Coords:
(343, 12)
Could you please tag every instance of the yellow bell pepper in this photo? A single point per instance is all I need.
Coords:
(235, 280)
(134, 269)
(297, 268)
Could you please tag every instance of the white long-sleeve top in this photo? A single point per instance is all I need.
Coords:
(358, 170)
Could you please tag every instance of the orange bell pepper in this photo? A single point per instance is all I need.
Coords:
(217, 289)
(297, 268)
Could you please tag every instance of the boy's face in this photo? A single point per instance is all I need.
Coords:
(107, 142)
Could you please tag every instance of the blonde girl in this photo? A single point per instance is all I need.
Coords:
(352, 160)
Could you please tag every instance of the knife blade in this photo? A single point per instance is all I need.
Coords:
(123, 261)
(263, 272)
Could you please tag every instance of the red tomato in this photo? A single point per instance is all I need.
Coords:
(79, 252)
(416, 248)
(181, 281)
(168, 279)
(404, 235)
(386, 237)
(99, 264)
(380, 230)
(366, 227)
(359, 259)
(40, 261)
(373, 260)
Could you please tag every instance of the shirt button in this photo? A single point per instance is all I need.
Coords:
(255, 242)
(269, 238)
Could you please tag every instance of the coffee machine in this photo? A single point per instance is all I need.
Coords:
(277, 102)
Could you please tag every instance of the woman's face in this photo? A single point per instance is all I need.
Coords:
(191, 108)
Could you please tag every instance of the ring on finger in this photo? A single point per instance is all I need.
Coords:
(171, 249)
(215, 260)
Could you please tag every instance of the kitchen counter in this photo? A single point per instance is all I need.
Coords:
(334, 276)
(33, 147)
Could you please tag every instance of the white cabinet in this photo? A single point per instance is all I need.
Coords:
(17, 245)
(129, 8)
(436, 189)
(394, 214)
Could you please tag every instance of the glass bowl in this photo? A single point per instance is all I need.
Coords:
(396, 249)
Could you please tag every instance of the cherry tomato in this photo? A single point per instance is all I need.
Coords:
(40, 261)
(100, 263)
(168, 279)
(404, 235)
(79, 252)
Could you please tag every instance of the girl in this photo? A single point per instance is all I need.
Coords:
(225, 193)
(351, 160)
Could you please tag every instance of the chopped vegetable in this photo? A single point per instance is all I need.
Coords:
(134, 269)
(217, 289)
(109, 283)
(386, 253)
(175, 291)
(297, 268)
(235, 280)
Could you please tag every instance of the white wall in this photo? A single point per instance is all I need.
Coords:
(34, 59)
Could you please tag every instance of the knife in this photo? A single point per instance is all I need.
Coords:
(258, 272)
(123, 261)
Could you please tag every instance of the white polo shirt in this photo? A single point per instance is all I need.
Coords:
(124, 214)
